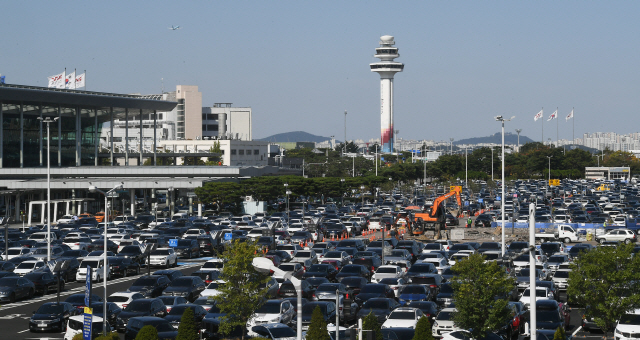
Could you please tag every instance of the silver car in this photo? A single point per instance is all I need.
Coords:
(560, 279)
(617, 235)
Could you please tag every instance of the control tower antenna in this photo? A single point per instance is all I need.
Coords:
(386, 68)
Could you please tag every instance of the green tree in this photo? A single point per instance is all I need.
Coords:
(147, 332)
(350, 147)
(215, 160)
(606, 279)
(222, 193)
(479, 291)
(317, 327)
(187, 328)
(159, 160)
(560, 334)
(244, 294)
(370, 323)
(423, 329)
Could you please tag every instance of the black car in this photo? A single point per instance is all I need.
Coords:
(207, 275)
(7, 266)
(141, 307)
(164, 328)
(187, 248)
(413, 248)
(150, 285)
(188, 287)
(77, 300)
(171, 274)
(419, 270)
(132, 252)
(374, 290)
(13, 288)
(8, 274)
(287, 289)
(380, 307)
(352, 270)
(445, 295)
(354, 283)
(483, 220)
(209, 245)
(327, 308)
(176, 312)
(44, 282)
(123, 266)
(52, 316)
(99, 245)
(314, 282)
(68, 274)
(321, 270)
(371, 262)
(284, 255)
(429, 308)
(113, 312)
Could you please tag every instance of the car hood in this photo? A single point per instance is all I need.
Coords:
(140, 288)
(176, 289)
(325, 295)
(265, 316)
(399, 323)
(367, 296)
(375, 311)
(444, 296)
(628, 328)
(45, 316)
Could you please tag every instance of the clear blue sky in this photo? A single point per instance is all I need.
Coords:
(300, 64)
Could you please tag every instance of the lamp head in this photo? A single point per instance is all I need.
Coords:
(92, 188)
(118, 187)
(499, 118)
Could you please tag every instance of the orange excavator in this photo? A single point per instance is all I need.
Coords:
(434, 216)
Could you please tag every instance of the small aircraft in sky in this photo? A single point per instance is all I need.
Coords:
(173, 28)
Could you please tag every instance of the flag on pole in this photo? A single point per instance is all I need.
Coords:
(537, 116)
(80, 80)
(570, 115)
(553, 116)
(56, 81)
(70, 80)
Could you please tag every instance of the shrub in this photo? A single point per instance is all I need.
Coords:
(423, 329)
(147, 332)
(187, 329)
(317, 327)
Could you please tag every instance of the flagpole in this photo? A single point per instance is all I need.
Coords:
(74, 81)
(542, 126)
(85, 82)
(557, 129)
(573, 135)
(64, 80)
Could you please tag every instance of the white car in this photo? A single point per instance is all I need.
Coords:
(194, 232)
(617, 235)
(444, 323)
(17, 251)
(165, 257)
(628, 327)
(387, 271)
(27, 267)
(440, 263)
(341, 256)
(394, 283)
(77, 243)
(76, 324)
(66, 219)
(542, 293)
(130, 242)
(273, 311)
(97, 269)
(213, 264)
(122, 299)
(405, 317)
(212, 288)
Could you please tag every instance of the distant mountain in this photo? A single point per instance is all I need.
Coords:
(509, 138)
(295, 136)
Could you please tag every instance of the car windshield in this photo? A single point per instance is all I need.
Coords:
(387, 281)
(548, 316)
(160, 252)
(421, 269)
(26, 265)
(269, 308)
(351, 269)
(397, 253)
(90, 263)
(561, 274)
(522, 258)
(432, 246)
(179, 310)
(539, 293)
(283, 332)
(386, 270)
(145, 281)
(491, 256)
(556, 259)
(327, 287)
(213, 285)
(308, 308)
(333, 254)
(376, 304)
(630, 319)
(50, 309)
(550, 247)
(444, 315)
(181, 282)
(164, 327)
(446, 288)
(303, 254)
(214, 265)
(184, 243)
(318, 268)
(414, 289)
(403, 315)
(138, 306)
(118, 298)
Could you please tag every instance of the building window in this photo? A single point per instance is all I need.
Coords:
(204, 127)
(233, 151)
(211, 127)
(204, 116)
(256, 152)
(241, 152)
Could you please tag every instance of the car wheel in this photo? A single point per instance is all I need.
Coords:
(12, 298)
(31, 293)
(567, 240)
(62, 286)
(137, 270)
(166, 266)
(627, 241)
(601, 241)
(126, 271)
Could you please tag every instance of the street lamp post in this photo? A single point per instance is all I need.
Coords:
(362, 193)
(518, 132)
(286, 192)
(342, 192)
(48, 120)
(171, 203)
(451, 150)
(492, 164)
(502, 184)
(466, 167)
(344, 149)
(549, 183)
(93, 188)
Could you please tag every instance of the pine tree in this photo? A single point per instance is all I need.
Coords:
(423, 329)
(370, 323)
(187, 329)
(317, 327)
(560, 334)
(147, 332)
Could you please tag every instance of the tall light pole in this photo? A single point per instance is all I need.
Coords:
(451, 151)
(362, 193)
(342, 193)
(492, 164)
(344, 149)
(286, 192)
(93, 188)
(171, 203)
(466, 185)
(48, 120)
(502, 120)
(549, 183)
(518, 132)
(376, 160)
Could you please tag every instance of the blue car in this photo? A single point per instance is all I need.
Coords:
(414, 292)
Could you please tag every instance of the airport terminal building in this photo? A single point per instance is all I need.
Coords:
(78, 159)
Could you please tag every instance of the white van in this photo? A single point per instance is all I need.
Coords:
(97, 269)
(76, 323)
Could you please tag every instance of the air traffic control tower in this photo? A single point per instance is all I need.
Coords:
(387, 68)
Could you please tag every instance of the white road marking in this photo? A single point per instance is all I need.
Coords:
(26, 330)
(77, 290)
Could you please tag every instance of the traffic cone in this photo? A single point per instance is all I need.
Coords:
(324, 239)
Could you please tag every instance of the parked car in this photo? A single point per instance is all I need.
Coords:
(135, 324)
(44, 282)
(617, 235)
(188, 287)
(150, 285)
(52, 316)
(406, 317)
(142, 307)
(279, 311)
(175, 315)
(123, 266)
(380, 307)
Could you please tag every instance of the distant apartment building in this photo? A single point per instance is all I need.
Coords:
(611, 140)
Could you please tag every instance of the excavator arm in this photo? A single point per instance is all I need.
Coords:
(437, 215)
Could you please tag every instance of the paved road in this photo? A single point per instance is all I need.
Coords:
(14, 317)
